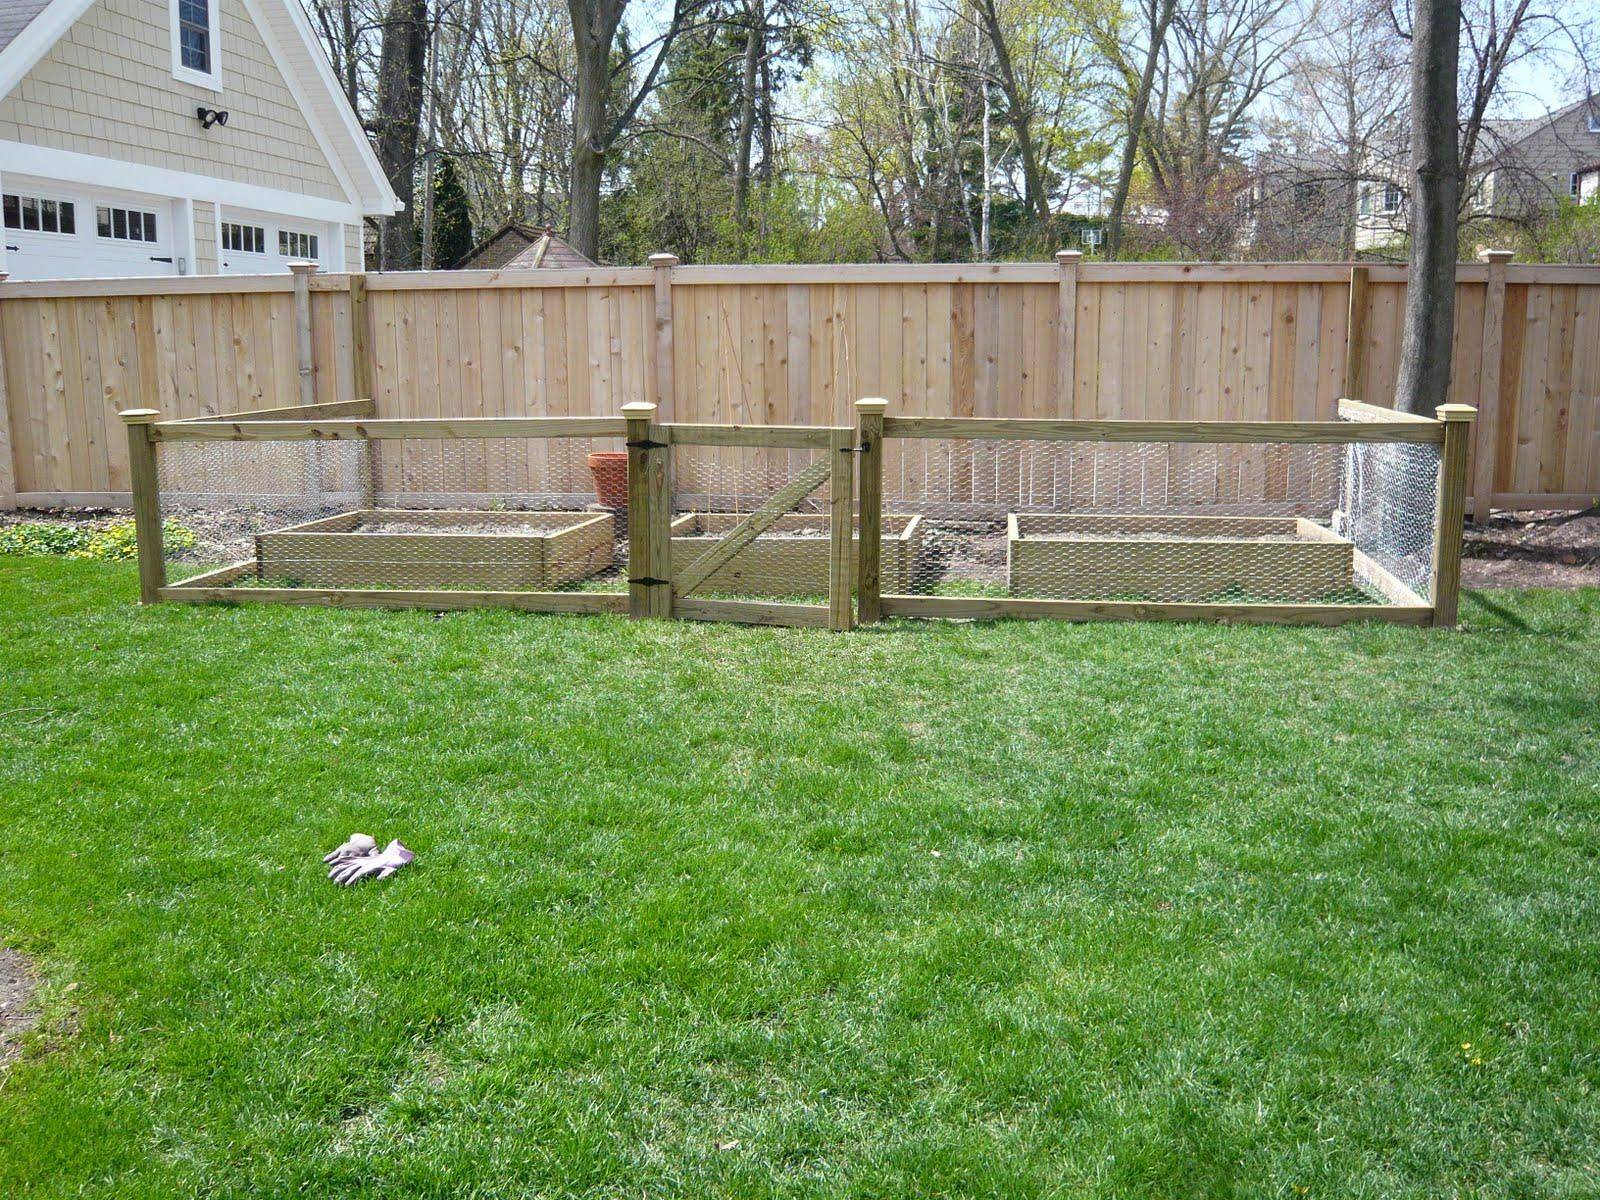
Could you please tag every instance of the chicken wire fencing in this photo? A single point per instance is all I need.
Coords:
(481, 514)
(1221, 523)
(717, 489)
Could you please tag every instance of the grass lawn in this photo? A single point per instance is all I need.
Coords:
(1001, 910)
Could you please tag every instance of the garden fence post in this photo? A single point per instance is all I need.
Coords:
(869, 554)
(1355, 335)
(8, 466)
(649, 514)
(841, 528)
(146, 502)
(1450, 513)
(661, 274)
(1066, 331)
(303, 271)
(1494, 328)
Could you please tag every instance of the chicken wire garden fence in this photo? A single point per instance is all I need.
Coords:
(1306, 522)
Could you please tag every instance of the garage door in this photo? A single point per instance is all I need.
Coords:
(63, 231)
(261, 244)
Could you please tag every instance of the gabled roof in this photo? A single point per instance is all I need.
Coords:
(1509, 132)
(29, 28)
(518, 247)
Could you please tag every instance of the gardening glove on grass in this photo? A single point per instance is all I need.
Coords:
(380, 865)
(359, 845)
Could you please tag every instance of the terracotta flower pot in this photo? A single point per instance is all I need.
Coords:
(610, 471)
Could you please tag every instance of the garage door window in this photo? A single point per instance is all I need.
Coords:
(297, 245)
(38, 215)
(125, 224)
(248, 239)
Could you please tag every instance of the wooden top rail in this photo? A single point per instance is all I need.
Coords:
(388, 430)
(1360, 410)
(789, 437)
(1408, 429)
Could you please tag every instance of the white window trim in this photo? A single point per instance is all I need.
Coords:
(183, 74)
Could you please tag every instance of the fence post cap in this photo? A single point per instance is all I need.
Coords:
(139, 416)
(1455, 412)
(871, 404)
(1068, 257)
(304, 268)
(1496, 256)
(663, 260)
(638, 409)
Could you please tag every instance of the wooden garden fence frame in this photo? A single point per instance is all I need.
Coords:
(659, 588)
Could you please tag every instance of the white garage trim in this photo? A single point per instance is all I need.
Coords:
(25, 159)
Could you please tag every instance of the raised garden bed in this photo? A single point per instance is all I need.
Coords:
(1179, 558)
(495, 551)
(791, 558)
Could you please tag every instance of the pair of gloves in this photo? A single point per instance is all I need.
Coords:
(359, 858)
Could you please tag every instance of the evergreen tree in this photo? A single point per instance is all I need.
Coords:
(452, 216)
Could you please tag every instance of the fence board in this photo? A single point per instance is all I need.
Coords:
(792, 345)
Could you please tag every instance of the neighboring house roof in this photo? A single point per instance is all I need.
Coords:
(1510, 132)
(517, 247)
(29, 28)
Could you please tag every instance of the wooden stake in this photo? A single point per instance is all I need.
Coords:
(1494, 328)
(1066, 331)
(146, 503)
(841, 525)
(1450, 515)
(1355, 338)
(662, 265)
(869, 553)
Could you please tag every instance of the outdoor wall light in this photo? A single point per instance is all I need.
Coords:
(210, 116)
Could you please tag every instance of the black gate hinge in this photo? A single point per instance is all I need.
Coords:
(649, 581)
(646, 444)
(861, 449)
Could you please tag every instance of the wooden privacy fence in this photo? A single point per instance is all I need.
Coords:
(794, 345)
(1309, 522)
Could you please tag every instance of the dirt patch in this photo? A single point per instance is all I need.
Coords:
(18, 1013)
(1534, 548)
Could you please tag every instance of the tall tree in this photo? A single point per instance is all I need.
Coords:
(1435, 196)
(397, 121)
(1156, 18)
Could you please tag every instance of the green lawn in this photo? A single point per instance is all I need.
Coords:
(927, 910)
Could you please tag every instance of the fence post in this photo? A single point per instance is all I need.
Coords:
(362, 372)
(1444, 581)
(1355, 336)
(1066, 332)
(303, 271)
(841, 528)
(146, 502)
(1494, 327)
(661, 274)
(869, 553)
(8, 466)
(645, 484)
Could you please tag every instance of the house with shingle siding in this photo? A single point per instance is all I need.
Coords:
(176, 137)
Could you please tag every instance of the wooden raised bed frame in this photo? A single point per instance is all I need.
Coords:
(789, 566)
(1106, 556)
(334, 553)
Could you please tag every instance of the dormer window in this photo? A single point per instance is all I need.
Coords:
(1594, 120)
(195, 54)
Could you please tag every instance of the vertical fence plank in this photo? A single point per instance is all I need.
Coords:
(666, 375)
(1355, 335)
(1066, 328)
(1488, 431)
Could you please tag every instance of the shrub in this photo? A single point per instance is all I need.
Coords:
(113, 542)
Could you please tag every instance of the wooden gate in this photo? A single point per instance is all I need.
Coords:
(723, 560)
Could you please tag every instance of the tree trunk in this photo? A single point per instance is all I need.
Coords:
(397, 121)
(1435, 193)
(592, 33)
(1017, 111)
(1161, 13)
(753, 39)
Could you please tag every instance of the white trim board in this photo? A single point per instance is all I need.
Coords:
(35, 41)
(24, 159)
